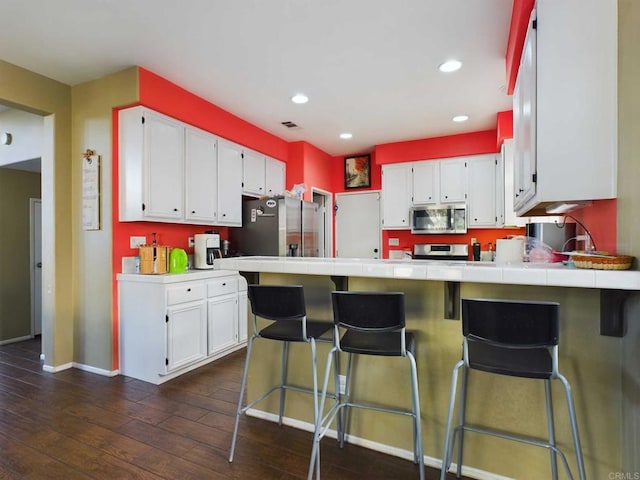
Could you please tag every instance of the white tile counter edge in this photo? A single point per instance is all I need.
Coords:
(543, 274)
(176, 277)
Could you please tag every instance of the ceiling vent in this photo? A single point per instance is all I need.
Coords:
(290, 125)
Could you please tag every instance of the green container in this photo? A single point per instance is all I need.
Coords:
(178, 261)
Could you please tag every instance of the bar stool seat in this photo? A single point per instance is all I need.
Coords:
(373, 324)
(284, 305)
(513, 338)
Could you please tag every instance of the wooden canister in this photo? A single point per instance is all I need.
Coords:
(154, 259)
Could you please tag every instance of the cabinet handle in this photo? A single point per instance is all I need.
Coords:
(175, 209)
(224, 214)
(224, 284)
(193, 211)
(188, 289)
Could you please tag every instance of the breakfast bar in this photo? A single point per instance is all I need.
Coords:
(590, 345)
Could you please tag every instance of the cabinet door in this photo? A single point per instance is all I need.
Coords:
(482, 191)
(274, 177)
(201, 171)
(186, 334)
(453, 180)
(524, 122)
(426, 182)
(229, 183)
(253, 173)
(510, 216)
(396, 195)
(223, 322)
(164, 165)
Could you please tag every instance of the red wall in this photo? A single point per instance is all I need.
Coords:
(601, 220)
(437, 147)
(517, 32)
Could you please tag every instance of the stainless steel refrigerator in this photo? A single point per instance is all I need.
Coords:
(277, 226)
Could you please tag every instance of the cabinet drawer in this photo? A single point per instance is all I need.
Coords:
(222, 286)
(185, 293)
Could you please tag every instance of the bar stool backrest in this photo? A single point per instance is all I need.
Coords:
(369, 311)
(511, 324)
(277, 302)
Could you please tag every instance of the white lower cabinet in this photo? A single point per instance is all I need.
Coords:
(171, 324)
(186, 326)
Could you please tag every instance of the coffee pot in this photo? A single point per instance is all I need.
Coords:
(207, 248)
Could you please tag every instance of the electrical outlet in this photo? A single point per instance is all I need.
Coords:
(394, 242)
(135, 242)
(192, 242)
(342, 381)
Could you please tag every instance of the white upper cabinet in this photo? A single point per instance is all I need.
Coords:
(253, 172)
(261, 175)
(396, 195)
(230, 184)
(482, 200)
(151, 161)
(274, 179)
(510, 217)
(172, 172)
(565, 106)
(426, 182)
(201, 175)
(453, 180)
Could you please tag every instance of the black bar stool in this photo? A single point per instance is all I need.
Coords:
(374, 324)
(285, 306)
(513, 338)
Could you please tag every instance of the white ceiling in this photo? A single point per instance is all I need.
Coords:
(368, 66)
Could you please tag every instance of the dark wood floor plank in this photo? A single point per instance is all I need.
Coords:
(78, 425)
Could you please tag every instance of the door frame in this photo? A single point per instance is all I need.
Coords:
(328, 220)
(379, 192)
(32, 258)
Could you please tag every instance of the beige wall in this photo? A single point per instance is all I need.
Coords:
(16, 188)
(92, 120)
(37, 94)
(501, 402)
(628, 217)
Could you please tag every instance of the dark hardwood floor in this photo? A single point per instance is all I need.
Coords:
(75, 424)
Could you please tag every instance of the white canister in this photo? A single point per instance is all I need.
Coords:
(509, 251)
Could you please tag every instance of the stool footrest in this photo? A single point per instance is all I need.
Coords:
(515, 437)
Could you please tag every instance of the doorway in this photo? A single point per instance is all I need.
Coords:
(324, 201)
(358, 225)
(35, 221)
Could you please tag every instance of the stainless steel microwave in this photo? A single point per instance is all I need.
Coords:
(439, 219)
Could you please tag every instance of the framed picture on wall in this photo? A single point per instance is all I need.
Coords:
(357, 172)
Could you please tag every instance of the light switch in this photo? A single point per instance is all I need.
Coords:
(135, 242)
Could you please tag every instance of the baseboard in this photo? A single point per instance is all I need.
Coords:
(376, 446)
(98, 371)
(16, 340)
(59, 368)
(80, 366)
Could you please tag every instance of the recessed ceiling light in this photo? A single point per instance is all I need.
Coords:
(299, 98)
(461, 118)
(450, 66)
(346, 135)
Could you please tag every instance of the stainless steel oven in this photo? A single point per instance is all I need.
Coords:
(450, 252)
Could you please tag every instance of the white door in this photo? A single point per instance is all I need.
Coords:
(223, 323)
(229, 183)
(358, 225)
(201, 175)
(396, 192)
(36, 266)
(186, 334)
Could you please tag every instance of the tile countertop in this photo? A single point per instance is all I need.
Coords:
(543, 274)
(177, 277)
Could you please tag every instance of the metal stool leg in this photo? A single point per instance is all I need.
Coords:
(345, 399)
(283, 380)
(574, 427)
(242, 389)
(448, 437)
(314, 460)
(417, 420)
(551, 429)
(463, 412)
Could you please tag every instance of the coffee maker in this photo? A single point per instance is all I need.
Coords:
(206, 249)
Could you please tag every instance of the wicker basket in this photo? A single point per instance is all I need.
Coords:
(619, 262)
